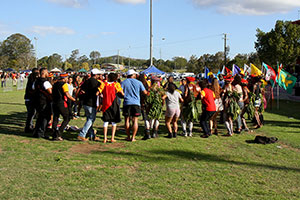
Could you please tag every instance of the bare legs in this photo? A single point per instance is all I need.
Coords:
(134, 127)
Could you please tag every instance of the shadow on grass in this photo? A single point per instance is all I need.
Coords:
(177, 155)
(286, 108)
(13, 124)
(283, 124)
(7, 103)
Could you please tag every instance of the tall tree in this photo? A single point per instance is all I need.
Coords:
(94, 56)
(281, 44)
(18, 47)
(55, 60)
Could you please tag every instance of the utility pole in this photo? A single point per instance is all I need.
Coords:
(129, 58)
(118, 58)
(151, 36)
(225, 49)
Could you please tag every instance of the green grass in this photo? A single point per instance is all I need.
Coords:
(182, 168)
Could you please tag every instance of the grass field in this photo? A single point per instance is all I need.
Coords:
(183, 168)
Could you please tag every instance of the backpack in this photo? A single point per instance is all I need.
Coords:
(265, 140)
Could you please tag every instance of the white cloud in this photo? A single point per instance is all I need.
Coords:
(44, 30)
(249, 7)
(130, 1)
(70, 3)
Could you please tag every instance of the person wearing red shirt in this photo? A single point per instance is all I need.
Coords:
(208, 108)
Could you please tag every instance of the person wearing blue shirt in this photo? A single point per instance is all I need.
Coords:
(131, 106)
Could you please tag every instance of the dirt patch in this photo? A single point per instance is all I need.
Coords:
(87, 148)
(25, 141)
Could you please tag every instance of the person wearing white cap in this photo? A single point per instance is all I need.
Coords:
(131, 106)
(90, 89)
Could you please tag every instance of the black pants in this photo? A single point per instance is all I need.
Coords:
(60, 109)
(205, 117)
(44, 115)
(30, 114)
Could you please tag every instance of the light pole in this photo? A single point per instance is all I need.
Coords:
(35, 51)
(129, 57)
(151, 35)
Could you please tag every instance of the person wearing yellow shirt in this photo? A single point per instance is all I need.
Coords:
(60, 94)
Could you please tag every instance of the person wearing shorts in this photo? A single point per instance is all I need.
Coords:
(132, 89)
(173, 98)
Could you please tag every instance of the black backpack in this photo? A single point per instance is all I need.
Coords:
(265, 140)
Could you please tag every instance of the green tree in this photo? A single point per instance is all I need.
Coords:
(281, 44)
(85, 65)
(55, 60)
(94, 56)
(179, 62)
(17, 47)
(96, 66)
(66, 65)
(42, 62)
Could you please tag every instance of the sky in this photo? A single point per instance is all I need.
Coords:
(180, 27)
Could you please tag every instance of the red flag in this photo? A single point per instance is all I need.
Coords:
(228, 71)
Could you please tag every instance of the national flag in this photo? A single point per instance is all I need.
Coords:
(247, 70)
(286, 80)
(206, 71)
(254, 70)
(235, 70)
(228, 71)
(270, 74)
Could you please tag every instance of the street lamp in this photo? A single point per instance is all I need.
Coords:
(151, 35)
(35, 51)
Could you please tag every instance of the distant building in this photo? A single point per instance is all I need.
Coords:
(112, 67)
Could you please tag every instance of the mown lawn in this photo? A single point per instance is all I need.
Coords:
(182, 168)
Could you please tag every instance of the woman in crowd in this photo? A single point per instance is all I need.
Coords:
(110, 106)
(173, 99)
(244, 83)
(208, 108)
(238, 89)
(189, 108)
(228, 88)
(219, 105)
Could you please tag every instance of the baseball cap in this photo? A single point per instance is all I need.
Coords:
(96, 71)
(130, 72)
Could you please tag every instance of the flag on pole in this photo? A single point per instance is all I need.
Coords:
(286, 80)
(206, 71)
(228, 71)
(235, 70)
(247, 70)
(270, 74)
(254, 70)
(223, 70)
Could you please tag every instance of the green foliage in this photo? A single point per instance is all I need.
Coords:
(154, 102)
(17, 51)
(191, 112)
(96, 66)
(85, 66)
(234, 108)
(281, 44)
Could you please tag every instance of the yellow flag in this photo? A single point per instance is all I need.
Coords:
(255, 71)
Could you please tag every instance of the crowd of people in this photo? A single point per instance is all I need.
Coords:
(223, 99)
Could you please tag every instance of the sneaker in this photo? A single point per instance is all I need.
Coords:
(190, 134)
(82, 139)
(170, 135)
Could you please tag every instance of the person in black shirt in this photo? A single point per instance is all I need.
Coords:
(29, 100)
(90, 89)
(60, 96)
(43, 100)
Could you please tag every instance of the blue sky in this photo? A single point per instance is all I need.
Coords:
(190, 27)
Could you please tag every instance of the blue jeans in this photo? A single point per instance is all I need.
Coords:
(90, 113)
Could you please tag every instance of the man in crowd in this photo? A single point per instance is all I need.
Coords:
(29, 100)
(90, 90)
(131, 106)
(60, 105)
(43, 90)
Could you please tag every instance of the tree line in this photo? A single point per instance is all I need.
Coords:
(280, 45)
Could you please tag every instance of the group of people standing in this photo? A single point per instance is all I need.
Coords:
(49, 98)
